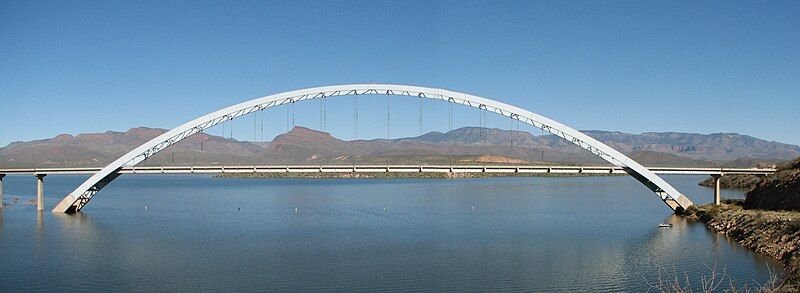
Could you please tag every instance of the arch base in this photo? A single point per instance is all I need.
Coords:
(66, 205)
(680, 205)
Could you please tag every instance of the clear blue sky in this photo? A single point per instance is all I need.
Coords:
(691, 66)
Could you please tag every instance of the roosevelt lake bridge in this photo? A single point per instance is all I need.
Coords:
(127, 163)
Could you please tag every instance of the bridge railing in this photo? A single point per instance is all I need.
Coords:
(392, 168)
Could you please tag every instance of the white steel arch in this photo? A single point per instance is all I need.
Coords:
(76, 200)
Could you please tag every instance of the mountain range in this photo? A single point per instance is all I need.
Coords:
(468, 145)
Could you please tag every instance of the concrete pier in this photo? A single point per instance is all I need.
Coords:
(716, 188)
(1, 190)
(40, 192)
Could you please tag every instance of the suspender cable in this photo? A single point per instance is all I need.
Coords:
(255, 128)
(355, 117)
(450, 117)
(290, 116)
(262, 125)
(287, 117)
(449, 129)
(420, 116)
(482, 120)
(355, 128)
(388, 133)
(515, 127)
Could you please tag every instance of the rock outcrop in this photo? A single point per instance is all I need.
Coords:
(778, 192)
(735, 181)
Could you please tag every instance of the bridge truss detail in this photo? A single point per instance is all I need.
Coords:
(78, 199)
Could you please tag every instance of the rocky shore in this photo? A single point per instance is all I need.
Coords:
(773, 233)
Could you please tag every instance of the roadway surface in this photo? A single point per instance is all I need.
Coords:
(392, 168)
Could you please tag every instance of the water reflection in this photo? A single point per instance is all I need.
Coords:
(674, 245)
(525, 234)
(74, 222)
(39, 226)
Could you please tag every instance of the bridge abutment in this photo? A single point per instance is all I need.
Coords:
(40, 192)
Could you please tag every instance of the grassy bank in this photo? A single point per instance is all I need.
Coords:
(773, 233)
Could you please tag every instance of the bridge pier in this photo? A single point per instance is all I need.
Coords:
(1, 190)
(40, 191)
(716, 177)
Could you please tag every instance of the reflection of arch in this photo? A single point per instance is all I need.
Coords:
(76, 200)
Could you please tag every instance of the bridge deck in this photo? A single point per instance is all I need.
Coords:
(392, 168)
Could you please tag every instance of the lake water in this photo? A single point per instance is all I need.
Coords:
(497, 234)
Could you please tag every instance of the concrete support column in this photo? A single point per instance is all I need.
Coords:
(1, 190)
(40, 191)
(716, 188)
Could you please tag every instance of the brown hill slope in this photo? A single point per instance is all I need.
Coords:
(781, 191)
(99, 149)
(716, 146)
(306, 146)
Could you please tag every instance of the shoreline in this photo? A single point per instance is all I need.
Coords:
(772, 233)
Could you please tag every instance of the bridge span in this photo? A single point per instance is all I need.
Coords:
(40, 173)
(557, 169)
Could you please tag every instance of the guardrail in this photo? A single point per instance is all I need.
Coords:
(391, 168)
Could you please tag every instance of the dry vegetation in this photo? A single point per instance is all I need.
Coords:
(715, 281)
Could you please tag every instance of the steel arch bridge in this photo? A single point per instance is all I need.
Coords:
(78, 199)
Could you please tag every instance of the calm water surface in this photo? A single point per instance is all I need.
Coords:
(499, 234)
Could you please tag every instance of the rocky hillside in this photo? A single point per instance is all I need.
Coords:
(467, 145)
(723, 148)
(464, 145)
(99, 149)
(778, 192)
(717, 146)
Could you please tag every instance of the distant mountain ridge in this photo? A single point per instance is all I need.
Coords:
(460, 146)
(715, 146)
